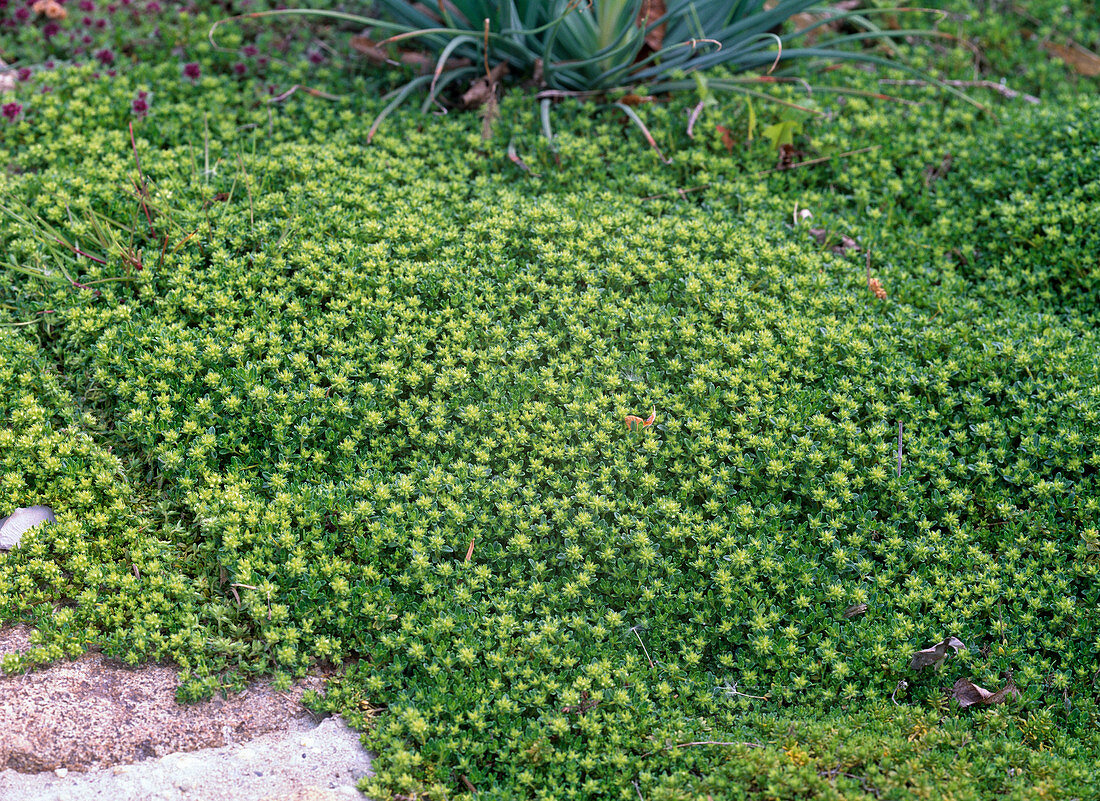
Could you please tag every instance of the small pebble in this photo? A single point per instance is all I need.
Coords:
(61, 773)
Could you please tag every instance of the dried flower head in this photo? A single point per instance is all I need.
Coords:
(876, 288)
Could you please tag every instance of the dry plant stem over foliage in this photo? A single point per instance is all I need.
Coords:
(609, 47)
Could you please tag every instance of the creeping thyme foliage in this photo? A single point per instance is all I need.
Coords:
(106, 569)
(351, 367)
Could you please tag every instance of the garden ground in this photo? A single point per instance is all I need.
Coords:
(296, 399)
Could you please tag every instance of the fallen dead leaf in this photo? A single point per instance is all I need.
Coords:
(479, 92)
(967, 693)
(650, 11)
(1081, 59)
(806, 20)
(378, 55)
(845, 243)
(633, 421)
(936, 654)
(933, 173)
(727, 137)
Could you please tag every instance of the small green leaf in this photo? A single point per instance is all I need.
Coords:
(782, 133)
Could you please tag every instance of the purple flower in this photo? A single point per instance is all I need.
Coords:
(140, 105)
(100, 24)
(249, 51)
(23, 73)
(192, 70)
(87, 5)
(239, 68)
(315, 56)
(11, 110)
(22, 14)
(51, 29)
(105, 57)
(87, 22)
(153, 7)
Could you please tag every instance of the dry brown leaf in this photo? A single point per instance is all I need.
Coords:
(936, 654)
(633, 421)
(967, 693)
(1081, 59)
(933, 173)
(479, 92)
(855, 610)
(378, 55)
(433, 13)
(727, 137)
(366, 46)
(805, 20)
(650, 11)
(633, 99)
(846, 244)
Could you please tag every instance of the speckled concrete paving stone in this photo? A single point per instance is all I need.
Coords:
(321, 764)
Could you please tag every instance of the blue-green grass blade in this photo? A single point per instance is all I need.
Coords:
(445, 54)
(544, 116)
(645, 131)
(399, 95)
(449, 77)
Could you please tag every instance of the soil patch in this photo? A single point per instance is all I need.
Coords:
(96, 712)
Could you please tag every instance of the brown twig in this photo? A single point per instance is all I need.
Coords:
(80, 252)
(817, 161)
(515, 159)
(695, 112)
(997, 87)
(470, 550)
(143, 193)
(680, 192)
(309, 91)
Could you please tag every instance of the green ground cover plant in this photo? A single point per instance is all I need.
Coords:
(367, 405)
